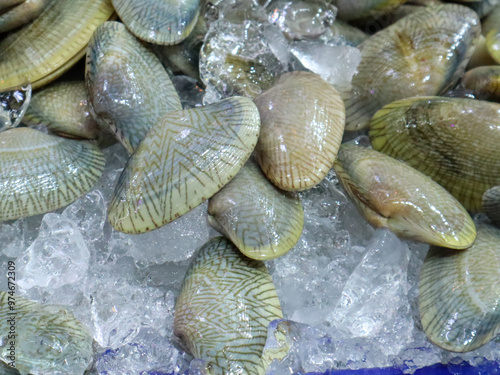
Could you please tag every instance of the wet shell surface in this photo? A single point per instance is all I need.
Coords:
(391, 194)
(21, 14)
(302, 126)
(452, 140)
(491, 204)
(162, 22)
(350, 10)
(261, 220)
(128, 87)
(460, 293)
(225, 306)
(184, 160)
(40, 52)
(484, 82)
(423, 54)
(40, 172)
(48, 338)
(63, 108)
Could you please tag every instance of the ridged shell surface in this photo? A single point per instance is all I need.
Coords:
(454, 141)
(6, 4)
(21, 14)
(63, 108)
(303, 121)
(392, 194)
(261, 220)
(184, 160)
(128, 87)
(460, 293)
(40, 172)
(423, 54)
(51, 44)
(350, 10)
(225, 306)
(491, 204)
(163, 22)
(484, 82)
(48, 338)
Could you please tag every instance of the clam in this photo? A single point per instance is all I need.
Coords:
(63, 109)
(460, 293)
(224, 308)
(491, 30)
(262, 221)
(484, 82)
(482, 7)
(185, 57)
(21, 14)
(129, 89)
(491, 204)
(391, 194)
(48, 338)
(352, 10)
(452, 140)
(162, 22)
(40, 172)
(6, 4)
(39, 52)
(302, 126)
(422, 54)
(184, 160)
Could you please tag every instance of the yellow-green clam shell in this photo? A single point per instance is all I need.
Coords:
(225, 306)
(452, 140)
(460, 293)
(392, 194)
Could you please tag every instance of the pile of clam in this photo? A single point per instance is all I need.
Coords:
(434, 159)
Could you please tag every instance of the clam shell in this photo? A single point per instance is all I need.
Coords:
(491, 204)
(302, 126)
(226, 303)
(491, 29)
(452, 140)
(40, 52)
(163, 22)
(422, 54)
(49, 339)
(484, 82)
(6, 4)
(40, 172)
(21, 14)
(184, 160)
(63, 109)
(184, 58)
(391, 194)
(351, 10)
(460, 293)
(128, 87)
(261, 220)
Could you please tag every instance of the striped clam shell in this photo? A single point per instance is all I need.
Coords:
(40, 172)
(261, 220)
(63, 109)
(351, 10)
(129, 89)
(48, 338)
(41, 51)
(491, 204)
(484, 82)
(225, 306)
(184, 160)
(460, 293)
(162, 22)
(302, 126)
(452, 140)
(21, 14)
(422, 54)
(391, 194)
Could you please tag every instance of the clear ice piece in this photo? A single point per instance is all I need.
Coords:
(59, 255)
(13, 105)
